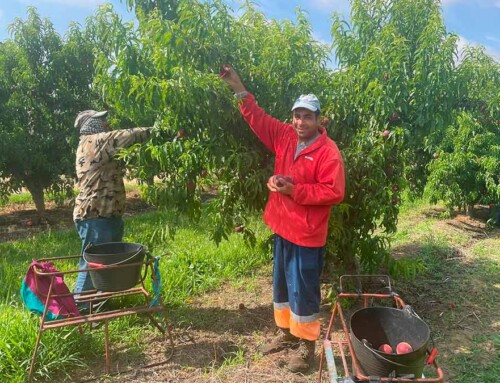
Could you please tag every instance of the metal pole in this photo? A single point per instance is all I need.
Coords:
(106, 340)
(330, 361)
(41, 328)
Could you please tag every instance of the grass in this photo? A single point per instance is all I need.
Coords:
(19, 199)
(471, 366)
(190, 265)
(24, 198)
(457, 293)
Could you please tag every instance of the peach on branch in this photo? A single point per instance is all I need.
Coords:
(239, 229)
(181, 133)
(394, 117)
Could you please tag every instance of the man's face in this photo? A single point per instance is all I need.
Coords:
(306, 124)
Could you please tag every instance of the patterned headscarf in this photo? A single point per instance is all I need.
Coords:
(91, 122)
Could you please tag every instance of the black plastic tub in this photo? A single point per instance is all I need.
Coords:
(373, 326)
(100, 257)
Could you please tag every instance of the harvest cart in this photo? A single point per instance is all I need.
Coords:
(153, 307)
(345, 352)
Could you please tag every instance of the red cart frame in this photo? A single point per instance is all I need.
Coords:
(343, 344)
(104, 316)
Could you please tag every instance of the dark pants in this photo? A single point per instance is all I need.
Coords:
(296, 287)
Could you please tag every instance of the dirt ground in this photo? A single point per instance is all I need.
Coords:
(212, 337)
(218, 335)
(207, 347)
(18, 221)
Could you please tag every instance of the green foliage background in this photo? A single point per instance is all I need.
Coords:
(395, 103)
(44, 81)
(407, 114)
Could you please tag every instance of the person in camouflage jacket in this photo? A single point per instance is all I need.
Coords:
(100, 204)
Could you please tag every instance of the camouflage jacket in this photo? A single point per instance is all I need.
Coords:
(100, 174)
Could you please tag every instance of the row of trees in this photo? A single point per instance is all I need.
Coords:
(404, 112)
(44, 81)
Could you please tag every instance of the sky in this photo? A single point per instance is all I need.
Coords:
(474, 21)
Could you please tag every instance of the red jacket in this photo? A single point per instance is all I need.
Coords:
(317, 172)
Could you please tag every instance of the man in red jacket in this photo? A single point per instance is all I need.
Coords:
(308, 179)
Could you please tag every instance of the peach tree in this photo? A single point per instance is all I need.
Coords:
(44, 81)
(394, 87)
(465, 169)
(165, 72)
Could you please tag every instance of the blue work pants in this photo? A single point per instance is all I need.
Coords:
(296, 287)
(95, 231)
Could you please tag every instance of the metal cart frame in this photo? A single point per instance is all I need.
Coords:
(104, 316)
(332, 342)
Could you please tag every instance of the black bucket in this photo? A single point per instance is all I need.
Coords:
(113, 254)
(379, 325)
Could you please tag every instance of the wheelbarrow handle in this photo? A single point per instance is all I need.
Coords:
(432, 356)
(95, 265)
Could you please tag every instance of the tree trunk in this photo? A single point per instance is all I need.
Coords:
(470, 210)
(36, 191)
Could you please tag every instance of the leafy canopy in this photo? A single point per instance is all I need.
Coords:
(44, 81)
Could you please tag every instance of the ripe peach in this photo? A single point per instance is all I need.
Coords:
(394, 117)
(223, 71)
(239, 229)
(385, 348)
(278, 180)
(403, 348)
(386, 133)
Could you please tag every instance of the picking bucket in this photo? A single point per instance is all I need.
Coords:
(103, 256)
(373, 326)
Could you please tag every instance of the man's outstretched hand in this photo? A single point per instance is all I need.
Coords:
(229, 75)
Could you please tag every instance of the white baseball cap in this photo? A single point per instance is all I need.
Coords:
(308, 101)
